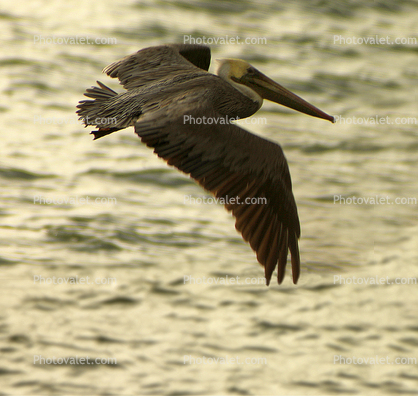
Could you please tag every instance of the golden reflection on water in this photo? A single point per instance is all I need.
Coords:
(150, 320)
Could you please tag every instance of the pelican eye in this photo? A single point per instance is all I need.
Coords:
(251, 71)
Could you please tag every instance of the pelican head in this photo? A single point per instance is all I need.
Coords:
(254, 84)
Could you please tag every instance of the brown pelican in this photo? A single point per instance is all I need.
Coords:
(167, 87)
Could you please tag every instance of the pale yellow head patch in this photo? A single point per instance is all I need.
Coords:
(228, 68)
(237, 68)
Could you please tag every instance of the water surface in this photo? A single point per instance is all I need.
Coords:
(144, 235)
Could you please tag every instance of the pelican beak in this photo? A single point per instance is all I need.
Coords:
(270, 90)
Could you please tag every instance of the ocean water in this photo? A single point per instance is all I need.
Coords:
(149, 290)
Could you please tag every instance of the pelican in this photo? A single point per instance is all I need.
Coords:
(169, 86)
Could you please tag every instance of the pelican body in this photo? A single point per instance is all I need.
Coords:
(170, 84)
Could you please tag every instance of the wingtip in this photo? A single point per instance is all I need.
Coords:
(280, 276)
(267, 276)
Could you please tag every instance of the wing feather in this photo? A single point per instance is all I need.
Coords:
(233, 163)
(165, 84)
(151, 64)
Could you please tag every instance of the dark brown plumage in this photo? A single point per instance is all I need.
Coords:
(166, 85)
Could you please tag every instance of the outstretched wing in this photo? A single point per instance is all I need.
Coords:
(153, 63)
(250, 173)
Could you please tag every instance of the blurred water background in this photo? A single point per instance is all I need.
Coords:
(142, 238)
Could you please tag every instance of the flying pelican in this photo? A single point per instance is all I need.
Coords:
(168, 87)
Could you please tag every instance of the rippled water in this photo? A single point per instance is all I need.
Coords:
(147, 238)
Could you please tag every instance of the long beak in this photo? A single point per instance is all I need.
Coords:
(270, 90)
